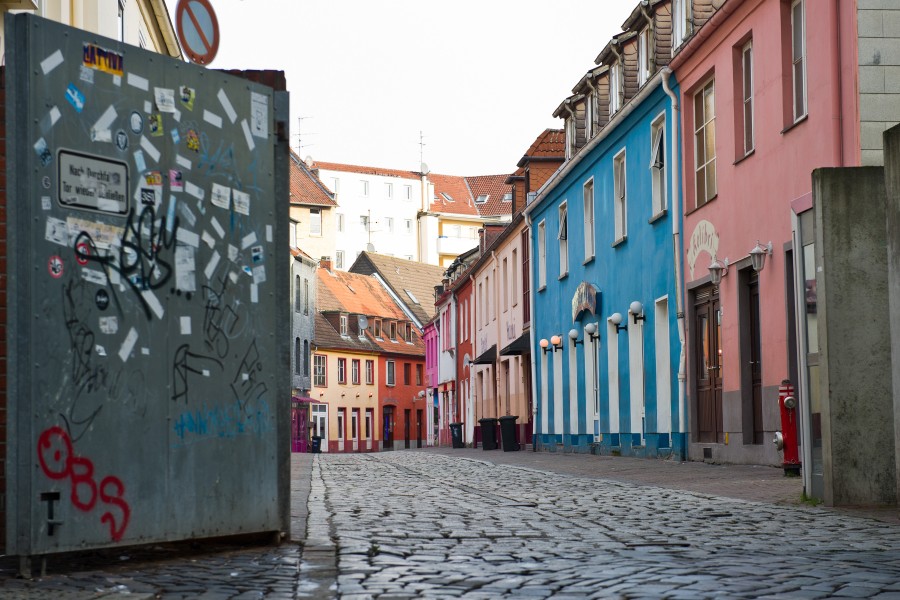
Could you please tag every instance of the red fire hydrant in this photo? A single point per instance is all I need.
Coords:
(786, 439)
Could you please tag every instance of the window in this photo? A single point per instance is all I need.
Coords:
(376, 328)
(487, 298)
(298, 356)
(389, 373)
(342, 370)
(447, 196)
(526, 278)
(615, 88)
(563, 237)
(681, 19)
(389, 190)
(507, 197)
(588, 192)
(344, 324)
(121, 22)
(335, 185)
(339, 259)
(644, 56)
(747, 95)
(705, 144)
(408, 335)
(589, 116)
(505, 286)
(542, 255)
(370, 372)
(570, 138)
(658, 164)
(619, 196)
(407, 373)
(419, 374)
(364, 221)
(514, 277)
(293, 234)
(409, 227)
(306, 296)
(798, 57)
(389, 224)
(354, 371)
(298, 291)
(320, 370)
(306, 358)
(482, 198)
(315, 221)
(364, 188)
(339, 217)
(392, 328)
(407, 192)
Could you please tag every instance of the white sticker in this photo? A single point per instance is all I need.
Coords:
(100, 350)
(187, 237)
(148, 108)
(57, 231)
(226, 104)
(145, 350)
(177, 115)
(150, 149)
(101, 135)
(249, 240)
(151, 299)
(259, 275)
(165, 99)
(94, 276)
(109, 325)
(54, 115)
(117, 80)
(241, 202)
(206, 372)
(215, 223)
(183, 162)
(232, 253)
(233, 276)
(185, 211)
(138, 82)
(208, 238)
(250, 143)
(185, 326)
(46, 203)
(245, 377)
(139, 161)
(221, 196)
(51, 62)
(212, 118)
(86, 74)
(269, 233)
(254, 293)
(211, 267)
(193, 190)
(128, 345)
(185, 268)
(259, 115)
(106, 119)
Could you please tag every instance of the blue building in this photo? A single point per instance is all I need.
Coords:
(607, 297)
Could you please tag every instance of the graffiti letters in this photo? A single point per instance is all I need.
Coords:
(185, 364)
(247, 383)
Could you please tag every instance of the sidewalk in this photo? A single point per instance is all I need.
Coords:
(745, 482)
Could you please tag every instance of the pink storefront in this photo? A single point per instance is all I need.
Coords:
(767, 96)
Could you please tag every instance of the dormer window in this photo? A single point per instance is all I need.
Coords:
(447, 196)
(408, 335)
(589, 116)
(615, 88)
(482, 198)
(376, 329)
(392, 329)
(570, 137)
(643, 56)
(344, 326)
(507, 197)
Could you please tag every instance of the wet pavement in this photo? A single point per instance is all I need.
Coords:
(443, 523)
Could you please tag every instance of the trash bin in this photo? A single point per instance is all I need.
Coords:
(488, 434)
(508, 433)
(456, 435)
(316, 444)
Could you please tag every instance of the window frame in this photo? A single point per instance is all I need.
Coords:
(588, 206)
(644, 53)
(700, 133)
(407, 373)
(542, 255)
(390, 373)
(620, 197)
(370, 372)
(801, 61)
(389, 190)
(315, 222)
(419, 373)
(658, 174)
(364, 188)
(407, 190)
(339, 259)
(747, 99)
(389, 224)
(339, 219)
(320, 370)
(342, 371)
(344, 321)
(562, 236)
(615, 88)
(354, 371)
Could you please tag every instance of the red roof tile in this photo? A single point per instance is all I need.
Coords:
(452, 195)
(359, 294)
(305, 187)
(366, 170)
(549, 144)
(495, 188)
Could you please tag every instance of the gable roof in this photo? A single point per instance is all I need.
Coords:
(494, 187)
(305, 187)
(451, 195)
(342, 291)
(363, 170)
(412, 282)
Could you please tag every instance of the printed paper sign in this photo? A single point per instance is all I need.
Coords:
(93, 183)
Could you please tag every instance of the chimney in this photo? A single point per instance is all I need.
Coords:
(325, 263)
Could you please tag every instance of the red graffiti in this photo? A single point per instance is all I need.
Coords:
(58, 461)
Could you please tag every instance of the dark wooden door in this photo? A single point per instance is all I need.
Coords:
(388, 431)
(708, 365)
(418, 428)
(406, 418)
(755, 360)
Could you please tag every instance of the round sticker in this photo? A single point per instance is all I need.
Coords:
(55, 266)
(45, 181)
(122, 139)
(102, 299)
(82, 252)
(137, 122)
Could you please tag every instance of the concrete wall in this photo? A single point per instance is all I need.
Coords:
(855, 355)
(878, 26)
(892, 206)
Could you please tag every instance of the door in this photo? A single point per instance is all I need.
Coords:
(419, 428)
(388, 431)
(708, 365)
(755, 359)
(320, 424)
(406, 417)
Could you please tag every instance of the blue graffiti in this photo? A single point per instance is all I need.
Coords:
(223, 422)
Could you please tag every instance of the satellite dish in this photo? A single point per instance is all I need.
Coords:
(370, 247)
(363, 322)
(424, 168)
(308, 161)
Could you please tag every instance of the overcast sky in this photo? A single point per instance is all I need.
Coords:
(479, 78)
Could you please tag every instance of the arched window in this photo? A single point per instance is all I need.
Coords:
(298, 357)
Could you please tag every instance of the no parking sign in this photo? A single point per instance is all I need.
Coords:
(198, 30)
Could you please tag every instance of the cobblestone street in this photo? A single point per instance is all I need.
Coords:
(467, 523)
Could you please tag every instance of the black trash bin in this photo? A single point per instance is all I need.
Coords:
(316, 444)
(456, 435)
(488, 434)
(508, 433)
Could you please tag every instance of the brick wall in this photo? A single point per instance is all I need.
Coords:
(2, 310)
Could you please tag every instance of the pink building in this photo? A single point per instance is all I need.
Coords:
(430, 335)
(768, 93)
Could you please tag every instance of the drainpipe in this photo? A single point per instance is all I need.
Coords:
(676, 242)
(534, 400)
